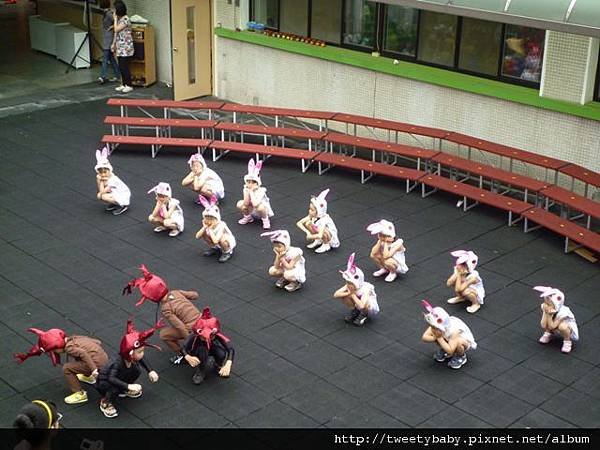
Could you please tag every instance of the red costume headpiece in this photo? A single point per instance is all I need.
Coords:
(48, 341)
(151, 286)
(134, 339)
(208, 327)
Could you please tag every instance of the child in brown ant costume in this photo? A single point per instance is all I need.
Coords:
(87, 357)
(175, 305)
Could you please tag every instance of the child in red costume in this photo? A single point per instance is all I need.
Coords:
(176, 307)
(207, 342)
(119, 378)
(87, 357)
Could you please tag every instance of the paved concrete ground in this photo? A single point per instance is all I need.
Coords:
(64, 262)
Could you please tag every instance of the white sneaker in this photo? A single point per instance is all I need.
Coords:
(391, 277)
(323, 248)
(314, 244)
(380, 272)
(174, 233)
(159, 228)
(119, 88)
(126, 89)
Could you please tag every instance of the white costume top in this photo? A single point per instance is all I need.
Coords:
(464, 331)
(326, 222)
(261, 194)
(215, 183)
(226, 234)
(177, 215)
(565, 313)
(477, 286)
(299, 270)
(368, 288)
(400, 258)
(119, 190)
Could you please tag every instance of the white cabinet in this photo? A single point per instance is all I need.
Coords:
(43, 34)
(68, 40)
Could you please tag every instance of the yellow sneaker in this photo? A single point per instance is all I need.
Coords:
(89, 380)
(77, 397)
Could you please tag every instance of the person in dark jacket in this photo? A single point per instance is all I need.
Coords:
(207, 343)
(118, 378)
(108, 36)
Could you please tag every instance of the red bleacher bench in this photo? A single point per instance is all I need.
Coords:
(165, 105)
(510, 179)
(385, 148)
(564, 227)
(121, 125)
(468, 192)
(265, 131)
(224, 147)
(156, 143)
(505, 151)
(277, 113)
(571, 201)
(370, 167)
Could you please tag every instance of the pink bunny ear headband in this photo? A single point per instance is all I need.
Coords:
(281, 236)
(254, 171)
(320, 203)
(102, 159)
(436, 317)
(556, 296)
(210, 207)
(466, 257)
(162, 189)
(353, 274)
(384, 227)
(197, 157)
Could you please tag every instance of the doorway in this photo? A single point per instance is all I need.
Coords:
(191, 35)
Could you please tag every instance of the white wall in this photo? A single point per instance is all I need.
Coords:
(250, 73)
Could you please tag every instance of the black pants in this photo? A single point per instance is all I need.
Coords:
(110, 391)
(202, 353)
(124, 69)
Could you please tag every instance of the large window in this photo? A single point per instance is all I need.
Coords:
(265, 12)
(326, 20)
(523, 52)
(360, 21)
(437, 38)
(401, 30)
(480, 43)
(294, 16)
(493, 50)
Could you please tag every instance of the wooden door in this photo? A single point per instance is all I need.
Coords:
(191, 35)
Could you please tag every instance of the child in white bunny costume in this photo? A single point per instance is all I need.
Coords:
(203, 179)
(111, 189)
(319, 226)
(465, 281)
(451, 334)
(288, 266)
(557, 319)
(214, 231)
(167, 213)
(255, 203)
(388, 252)
(357, 294)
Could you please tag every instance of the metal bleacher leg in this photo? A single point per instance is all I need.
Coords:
(364, 179)
(424, 193)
